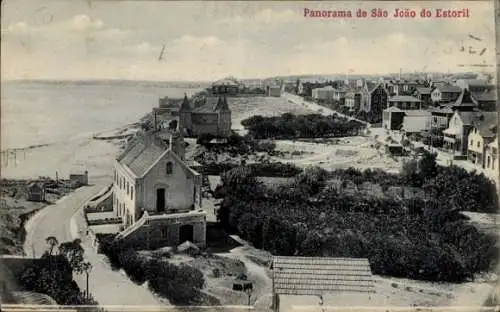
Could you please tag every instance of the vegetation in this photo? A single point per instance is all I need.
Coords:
(53, 273)
(289, 126)
(349, 213)
(181, 284)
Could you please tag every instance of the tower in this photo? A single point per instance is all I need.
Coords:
(185, 125)
(224, 117)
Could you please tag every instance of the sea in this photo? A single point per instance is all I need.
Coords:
(47, 112)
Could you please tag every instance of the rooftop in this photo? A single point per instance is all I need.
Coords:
(486, 123)
(404, 98)
(449, 88)
(211, 104)
(489, 95)
(142, 153)
(318, 275)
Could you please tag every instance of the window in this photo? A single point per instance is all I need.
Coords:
(164, 232)
(472, 142)
(169, 167)
(132, 193)
(128, 188)
(478, 144)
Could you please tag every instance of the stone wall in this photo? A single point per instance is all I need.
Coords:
(166, 232)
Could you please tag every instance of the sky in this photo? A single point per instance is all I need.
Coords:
(85, 39)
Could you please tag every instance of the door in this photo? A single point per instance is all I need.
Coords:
(160, 200)
(186, 233)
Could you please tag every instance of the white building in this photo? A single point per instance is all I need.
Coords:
(323, 94)
(156, 194)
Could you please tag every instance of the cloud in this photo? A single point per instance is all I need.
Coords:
(84, 22)
(267, 17)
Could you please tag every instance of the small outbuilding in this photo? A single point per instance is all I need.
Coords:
(78, 179)
(36, 191)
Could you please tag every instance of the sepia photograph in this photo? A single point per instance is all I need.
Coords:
(249, 156)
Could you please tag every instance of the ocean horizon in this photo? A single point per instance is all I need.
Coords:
(47, 112)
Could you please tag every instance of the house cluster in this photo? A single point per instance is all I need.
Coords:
(461, 119)
(355, 97)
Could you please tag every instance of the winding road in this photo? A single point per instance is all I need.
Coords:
(108, 287)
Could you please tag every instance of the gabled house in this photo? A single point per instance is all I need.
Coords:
(324, 94)
(353, 101)
(486, 100)
(491, 157)
(36, 191)
(482, 134)
(404, 102)
(445, 94)
(457, 134)
(156, 194)
(374, 100)
(424, 95)
(475, 85)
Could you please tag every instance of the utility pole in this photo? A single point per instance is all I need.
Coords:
(496, 7)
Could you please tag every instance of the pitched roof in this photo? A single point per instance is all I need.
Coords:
(424, 90)
(486, 124)
(185, 104)
(371, 86)
(449, 88)
(467, 117)
(404, 98)
(464, 99)
(211, 104)
(221, 104)
(142, 153)
(316, 275)
(488, 95)
(417, 112)
(477, 82)
(392, 109)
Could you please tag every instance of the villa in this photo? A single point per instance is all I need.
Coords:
(201, 115)
(156, 194)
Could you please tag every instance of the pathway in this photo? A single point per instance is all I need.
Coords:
(107, 286)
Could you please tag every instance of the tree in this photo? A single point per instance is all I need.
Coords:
(52, 242)
(428, 166)
(73, 251)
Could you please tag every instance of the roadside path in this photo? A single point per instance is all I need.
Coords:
(108, 287)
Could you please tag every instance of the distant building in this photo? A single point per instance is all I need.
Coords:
(408, 121)
(485, 100)
(155, 193)
(404, 102)
(77, 179)
(353, 101)
(275, 91)
(475, 85)
(457, 134)
(445, 94)
(204, 115)
(480, 136)
(491, 157)
(36, 191)
(416, 121)
(424, 95)
(374, 101)
(226, 86)
(323, 94)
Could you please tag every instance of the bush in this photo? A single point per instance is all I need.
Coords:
(422, 237)
(289, 126)
(204, 139)
(180, 284)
